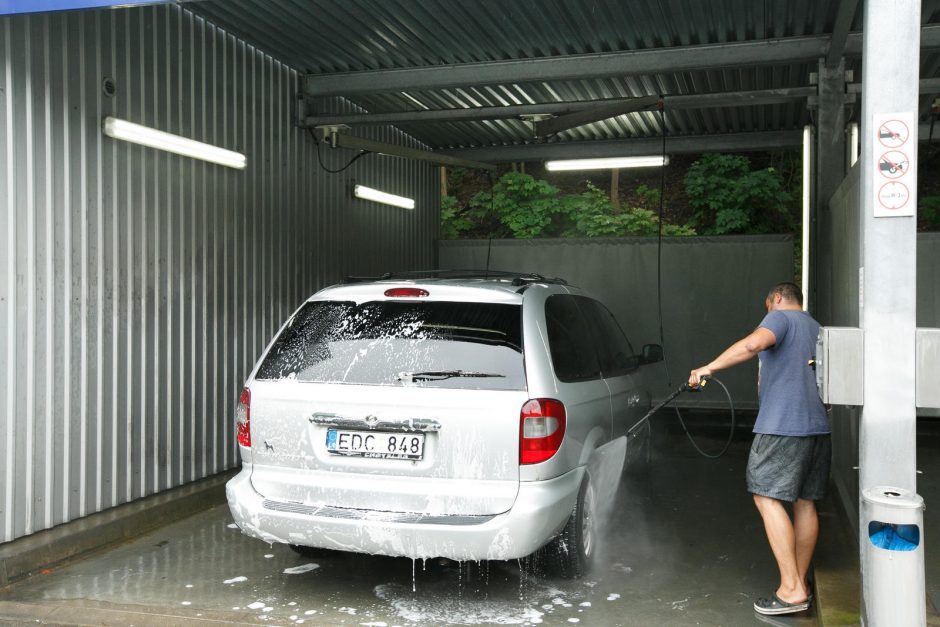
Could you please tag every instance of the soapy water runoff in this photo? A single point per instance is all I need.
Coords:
(681, 546)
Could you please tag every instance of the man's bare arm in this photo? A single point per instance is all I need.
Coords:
(739, 352)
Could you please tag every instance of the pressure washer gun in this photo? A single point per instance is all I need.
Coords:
(685, 387)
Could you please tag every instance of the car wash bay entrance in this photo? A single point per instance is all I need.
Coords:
(139, 284)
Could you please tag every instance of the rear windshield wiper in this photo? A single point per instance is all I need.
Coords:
(440, 375)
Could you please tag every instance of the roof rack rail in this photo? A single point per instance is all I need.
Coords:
(517, 278)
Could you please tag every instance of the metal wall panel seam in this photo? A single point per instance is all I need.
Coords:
(28, 463)
(130, 274)
(67, 282)
(185, 374)
(9, 462)
(83, 362)
(144, 260)
(226, 307)
(205, 266)
(49, 458)
(99, 279)
(114, 322)
(173, 260)
(158, 210)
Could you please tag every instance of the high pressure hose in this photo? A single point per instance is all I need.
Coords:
(724, 448)
(659, 297)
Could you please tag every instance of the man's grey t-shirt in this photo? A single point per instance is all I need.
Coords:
(789, 401)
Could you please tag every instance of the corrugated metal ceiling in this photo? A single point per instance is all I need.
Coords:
(334, 36)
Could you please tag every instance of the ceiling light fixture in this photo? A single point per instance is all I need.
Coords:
(611, 163)
(146, 136)
(367, 193)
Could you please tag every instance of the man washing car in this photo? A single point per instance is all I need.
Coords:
(791, 452)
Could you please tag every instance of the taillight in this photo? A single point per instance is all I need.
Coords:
(406, 292)
(541, 429)
(243, 418)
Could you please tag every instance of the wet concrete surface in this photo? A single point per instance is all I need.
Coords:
(928, 486)
(684, 546)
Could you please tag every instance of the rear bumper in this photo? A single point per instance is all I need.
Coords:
(540, 511)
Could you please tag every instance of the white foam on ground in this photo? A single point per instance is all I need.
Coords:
(453, 610)
(348, 610)
(257, 605)
(269, 556)
(232, 526)
(586, 604)
(232, 580)
(303, 568)
(613, 596)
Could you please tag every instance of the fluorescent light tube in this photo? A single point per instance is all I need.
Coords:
(146, 136)
(611, 163)
(367, 193)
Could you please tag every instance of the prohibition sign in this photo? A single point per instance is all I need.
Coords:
(893, 134)
(893, 164)
(893, 195)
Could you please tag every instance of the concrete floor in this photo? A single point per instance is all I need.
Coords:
(684, 547)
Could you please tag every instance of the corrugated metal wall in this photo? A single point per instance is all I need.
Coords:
(137, 287)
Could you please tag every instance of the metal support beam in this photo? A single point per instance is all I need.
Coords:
(892, 594)
(687, 101)
(586, 66)
(770, 140)
(840, 32)
(716, 100)
(830, 170)
(340, 140)
(544, 128)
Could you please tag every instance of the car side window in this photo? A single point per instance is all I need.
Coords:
(569, 340)
(616, 354)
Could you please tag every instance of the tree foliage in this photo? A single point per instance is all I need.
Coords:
(929, 213)
(726, 196)
(522, 206)
(593, 215)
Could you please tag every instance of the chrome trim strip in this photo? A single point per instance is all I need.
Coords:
(367, 514)
(371, 423)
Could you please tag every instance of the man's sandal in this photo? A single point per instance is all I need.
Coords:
(775, 605)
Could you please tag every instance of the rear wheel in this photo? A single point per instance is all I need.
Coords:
(571, 552)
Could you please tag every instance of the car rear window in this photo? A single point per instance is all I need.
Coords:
(428, 343)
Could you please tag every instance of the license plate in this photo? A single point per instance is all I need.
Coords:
(375, 444)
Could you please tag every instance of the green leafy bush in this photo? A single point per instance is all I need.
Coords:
(521, 206)
(594, 216)
(454, 221)
(929, 213)
(726, 197)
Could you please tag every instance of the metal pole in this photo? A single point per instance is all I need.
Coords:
(887, 438)
(829, 172)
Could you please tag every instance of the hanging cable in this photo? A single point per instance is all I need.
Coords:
(362, 153)
(659, 248)
(489, 240)
(659, 299)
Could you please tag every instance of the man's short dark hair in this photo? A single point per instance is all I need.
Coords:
(788, 291)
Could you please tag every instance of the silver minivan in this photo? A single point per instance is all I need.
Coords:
(454, 416)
